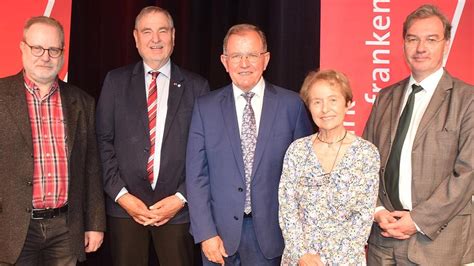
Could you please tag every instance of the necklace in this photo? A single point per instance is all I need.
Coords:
(328, 174)
(330, 143)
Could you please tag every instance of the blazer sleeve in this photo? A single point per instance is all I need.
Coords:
(303, 126)
(197, 182)
(105, 118)
(94, 200)
(202, 88)
(456, 190)
(369, 134)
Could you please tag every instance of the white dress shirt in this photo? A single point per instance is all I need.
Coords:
(257, 102)
(422, 99)
(162, 86)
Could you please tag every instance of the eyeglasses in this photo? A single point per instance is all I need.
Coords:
(251, 57)
(430, 42)
(38, 51)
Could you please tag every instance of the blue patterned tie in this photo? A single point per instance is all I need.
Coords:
(248, 140)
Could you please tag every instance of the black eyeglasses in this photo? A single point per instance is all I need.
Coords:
(38, 51)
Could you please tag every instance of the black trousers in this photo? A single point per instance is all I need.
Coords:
(47, 243)
(129, 242)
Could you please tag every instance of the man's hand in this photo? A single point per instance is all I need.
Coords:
(165, 209)
(386, 219)
(93, 240)
(404, 225)
(213, 249)
(309, 259)
(137, 209)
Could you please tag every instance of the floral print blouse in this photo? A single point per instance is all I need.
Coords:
(329, 215)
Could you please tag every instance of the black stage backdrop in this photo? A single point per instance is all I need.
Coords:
(101, 37)
(101, 40)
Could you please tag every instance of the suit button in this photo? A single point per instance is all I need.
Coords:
(28, 209)
(241, 189)
(236, 218)
(29, 183)
(32, 156)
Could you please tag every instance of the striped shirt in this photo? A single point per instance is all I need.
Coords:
(48, 131)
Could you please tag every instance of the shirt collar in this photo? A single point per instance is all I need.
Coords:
(429, 83)
(33, 88)
(165, 69)
(258, 89)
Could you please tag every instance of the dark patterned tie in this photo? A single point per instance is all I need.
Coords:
(152, 108)
(392, 170)
(248, 142)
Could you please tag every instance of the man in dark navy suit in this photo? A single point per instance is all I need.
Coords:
(143, 118)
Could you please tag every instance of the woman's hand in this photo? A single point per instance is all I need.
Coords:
(309, 259)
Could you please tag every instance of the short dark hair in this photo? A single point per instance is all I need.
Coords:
(239, 29)
(427, 11)
(44, 20)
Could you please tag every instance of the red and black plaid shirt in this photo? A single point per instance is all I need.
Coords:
(48, 131)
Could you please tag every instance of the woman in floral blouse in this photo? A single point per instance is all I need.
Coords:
(328, 188)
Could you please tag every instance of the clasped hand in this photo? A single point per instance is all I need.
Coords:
(396, 224)
(157, 214)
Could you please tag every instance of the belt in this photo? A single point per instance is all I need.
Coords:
(38, 214)
(247, 215)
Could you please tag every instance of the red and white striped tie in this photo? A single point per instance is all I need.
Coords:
(152, 96)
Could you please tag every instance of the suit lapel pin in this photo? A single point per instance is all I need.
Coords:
(177, 84)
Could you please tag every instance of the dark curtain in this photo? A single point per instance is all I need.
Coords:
(101, 37)
(101, 40)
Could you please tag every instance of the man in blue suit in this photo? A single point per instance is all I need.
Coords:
(237, 140)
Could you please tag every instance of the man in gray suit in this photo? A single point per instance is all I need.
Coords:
(423, 127)
(51, 200)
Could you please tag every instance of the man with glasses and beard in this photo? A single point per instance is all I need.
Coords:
(51, 199)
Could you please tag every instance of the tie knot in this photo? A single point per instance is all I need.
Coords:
(248, 96)
(154, 74)
(416, 88)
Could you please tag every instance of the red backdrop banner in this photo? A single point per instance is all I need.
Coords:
(363, 39)
(13, 15)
